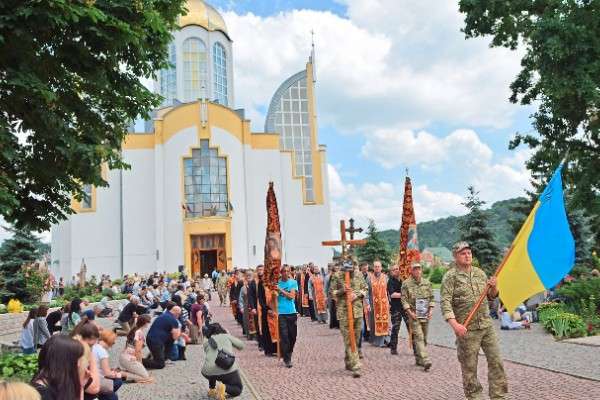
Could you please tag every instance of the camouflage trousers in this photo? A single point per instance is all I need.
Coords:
(468, 352)
(351, 359)
(419, 336)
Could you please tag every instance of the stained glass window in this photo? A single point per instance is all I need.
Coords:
(194, 69)
(288, 115)
(220, 73)
(205, 183)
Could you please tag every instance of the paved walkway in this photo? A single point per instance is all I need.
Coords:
(533, 347)
(319, 373)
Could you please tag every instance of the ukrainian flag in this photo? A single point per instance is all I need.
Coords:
(542, 253)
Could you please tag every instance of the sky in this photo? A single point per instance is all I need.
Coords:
(398, 87)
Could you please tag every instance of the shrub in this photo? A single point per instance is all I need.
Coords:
(18, 366)
(437, 274)
(426, 271)
(117, 282)
(579, 292)
(3, 309)
(560, 323)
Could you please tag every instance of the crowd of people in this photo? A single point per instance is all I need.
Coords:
(369, 305)
(159, 319)
(163, 316)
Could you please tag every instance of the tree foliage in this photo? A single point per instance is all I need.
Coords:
(561, 74)
(21, 249)
(474, 230)
(375, 248)
(69, 85)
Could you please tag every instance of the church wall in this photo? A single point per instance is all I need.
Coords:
(261, 167)
(61, 250)
(177, 147)
(304, 225)
(139, 212)
(95, 236)
(231, 147)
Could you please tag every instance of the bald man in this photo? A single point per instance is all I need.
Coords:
(163, 332)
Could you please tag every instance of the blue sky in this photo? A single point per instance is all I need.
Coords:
(398, 87)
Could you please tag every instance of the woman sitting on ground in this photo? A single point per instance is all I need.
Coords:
(110, 379)
(130, 359)
(65, 370)
(507, 323)
(71, 317)
(26, 342)
(216, 338)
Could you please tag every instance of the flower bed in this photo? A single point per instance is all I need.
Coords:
(561, 323)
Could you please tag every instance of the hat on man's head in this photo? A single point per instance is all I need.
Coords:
(415, 265)
(460, 246)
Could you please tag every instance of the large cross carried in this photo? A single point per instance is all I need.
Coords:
(346, 245)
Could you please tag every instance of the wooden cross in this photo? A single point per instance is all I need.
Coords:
(343, 242)
(352, 230)
(347, 244)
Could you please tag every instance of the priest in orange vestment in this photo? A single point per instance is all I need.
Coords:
(380, 306)
(316, 286)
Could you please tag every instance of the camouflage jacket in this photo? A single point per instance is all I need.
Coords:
(413, 290)
(459, 293)
(359, 287)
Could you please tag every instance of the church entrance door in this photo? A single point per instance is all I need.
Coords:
(208, 261)
(208, 252)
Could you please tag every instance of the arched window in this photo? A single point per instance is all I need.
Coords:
(194, 69)
(220, 75)
(168, 78)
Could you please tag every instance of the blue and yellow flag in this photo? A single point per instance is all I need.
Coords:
(543, 252)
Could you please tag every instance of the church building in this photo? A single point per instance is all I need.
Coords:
(195, 194)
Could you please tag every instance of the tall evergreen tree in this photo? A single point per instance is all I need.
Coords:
(375, 248)
(581, 227)
(474, 230)
(22, 248)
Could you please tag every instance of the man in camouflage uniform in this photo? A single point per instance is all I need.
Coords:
(461, 287)
(358, 288)
(418, 303)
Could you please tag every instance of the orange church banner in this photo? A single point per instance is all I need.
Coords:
(409, 246)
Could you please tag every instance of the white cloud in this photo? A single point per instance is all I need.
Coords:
(382, 202)
(461, 155)
(390, 62)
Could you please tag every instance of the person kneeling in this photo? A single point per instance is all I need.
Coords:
(219, 362)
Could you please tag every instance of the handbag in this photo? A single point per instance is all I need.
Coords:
(224, 359)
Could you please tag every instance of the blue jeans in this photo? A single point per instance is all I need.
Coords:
(28, 350)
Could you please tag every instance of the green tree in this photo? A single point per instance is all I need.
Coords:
(20, 249)
(474, 230)
(582, 233)
(70, 84)
(375, 248)
(561, 75)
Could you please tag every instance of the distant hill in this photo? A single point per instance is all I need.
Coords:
(444, 232)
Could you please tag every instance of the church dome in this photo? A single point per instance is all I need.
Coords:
(204, 15)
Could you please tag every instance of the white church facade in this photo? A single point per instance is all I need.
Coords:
(195, 193)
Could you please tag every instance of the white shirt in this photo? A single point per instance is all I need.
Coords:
(26, 341)
(100, 353)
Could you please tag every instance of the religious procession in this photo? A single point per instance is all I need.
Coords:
(299, 200)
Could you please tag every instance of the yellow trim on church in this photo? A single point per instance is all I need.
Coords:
(316, 153)
(77, 205)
